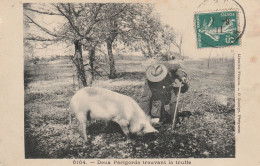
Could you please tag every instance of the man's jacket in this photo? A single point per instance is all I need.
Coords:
(162, 91)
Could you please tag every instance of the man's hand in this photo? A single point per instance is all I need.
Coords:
(184, 80)
(167, 108)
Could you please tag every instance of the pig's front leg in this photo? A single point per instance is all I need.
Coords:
(123, 124)
(125, 130)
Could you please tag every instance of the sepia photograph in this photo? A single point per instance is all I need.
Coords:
(128, 80)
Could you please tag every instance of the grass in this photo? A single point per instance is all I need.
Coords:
(208, 133)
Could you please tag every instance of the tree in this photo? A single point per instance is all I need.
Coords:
(91, 47)
(145, 31)
(113, 15)
(168, 38)
(79, 20)
(149, 35)
(178, 37)
(87, 26)
(117, 18)
(148, 28)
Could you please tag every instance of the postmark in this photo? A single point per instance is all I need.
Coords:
(217, 29)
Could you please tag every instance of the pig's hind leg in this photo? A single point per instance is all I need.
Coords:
(82, 117)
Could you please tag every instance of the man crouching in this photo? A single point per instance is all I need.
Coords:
(160, 92)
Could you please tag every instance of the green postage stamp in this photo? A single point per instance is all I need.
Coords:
(218, 29)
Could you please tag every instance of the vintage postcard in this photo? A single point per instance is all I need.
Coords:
(167, 82)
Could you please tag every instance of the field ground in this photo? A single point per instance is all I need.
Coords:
(208, 133)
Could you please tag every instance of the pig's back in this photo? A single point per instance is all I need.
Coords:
(103, 103)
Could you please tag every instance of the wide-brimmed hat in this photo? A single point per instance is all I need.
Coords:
(156, 73)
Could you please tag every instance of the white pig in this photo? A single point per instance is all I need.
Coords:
(102, 104)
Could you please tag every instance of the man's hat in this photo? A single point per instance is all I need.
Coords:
(156, 73)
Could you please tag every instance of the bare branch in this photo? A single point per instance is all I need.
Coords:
(42, 12)
(39, 39)
(42, 28)
(74, 27)
(119, 11)
(95, 20)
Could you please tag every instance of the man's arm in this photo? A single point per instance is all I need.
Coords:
(181, 75)
(175, 70)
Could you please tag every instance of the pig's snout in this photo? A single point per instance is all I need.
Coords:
(151, 131)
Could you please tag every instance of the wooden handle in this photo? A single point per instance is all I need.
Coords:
(176, 106)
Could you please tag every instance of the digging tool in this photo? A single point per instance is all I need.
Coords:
(176, 106)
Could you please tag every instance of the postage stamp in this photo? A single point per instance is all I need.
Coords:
(218, 29)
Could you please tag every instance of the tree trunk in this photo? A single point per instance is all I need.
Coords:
(112, 73)
(180, 51)
(143, 51)
(209, 58)
(92, 52)
(208, 61)
(179, 47)
(149, 50)
(78, 61)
